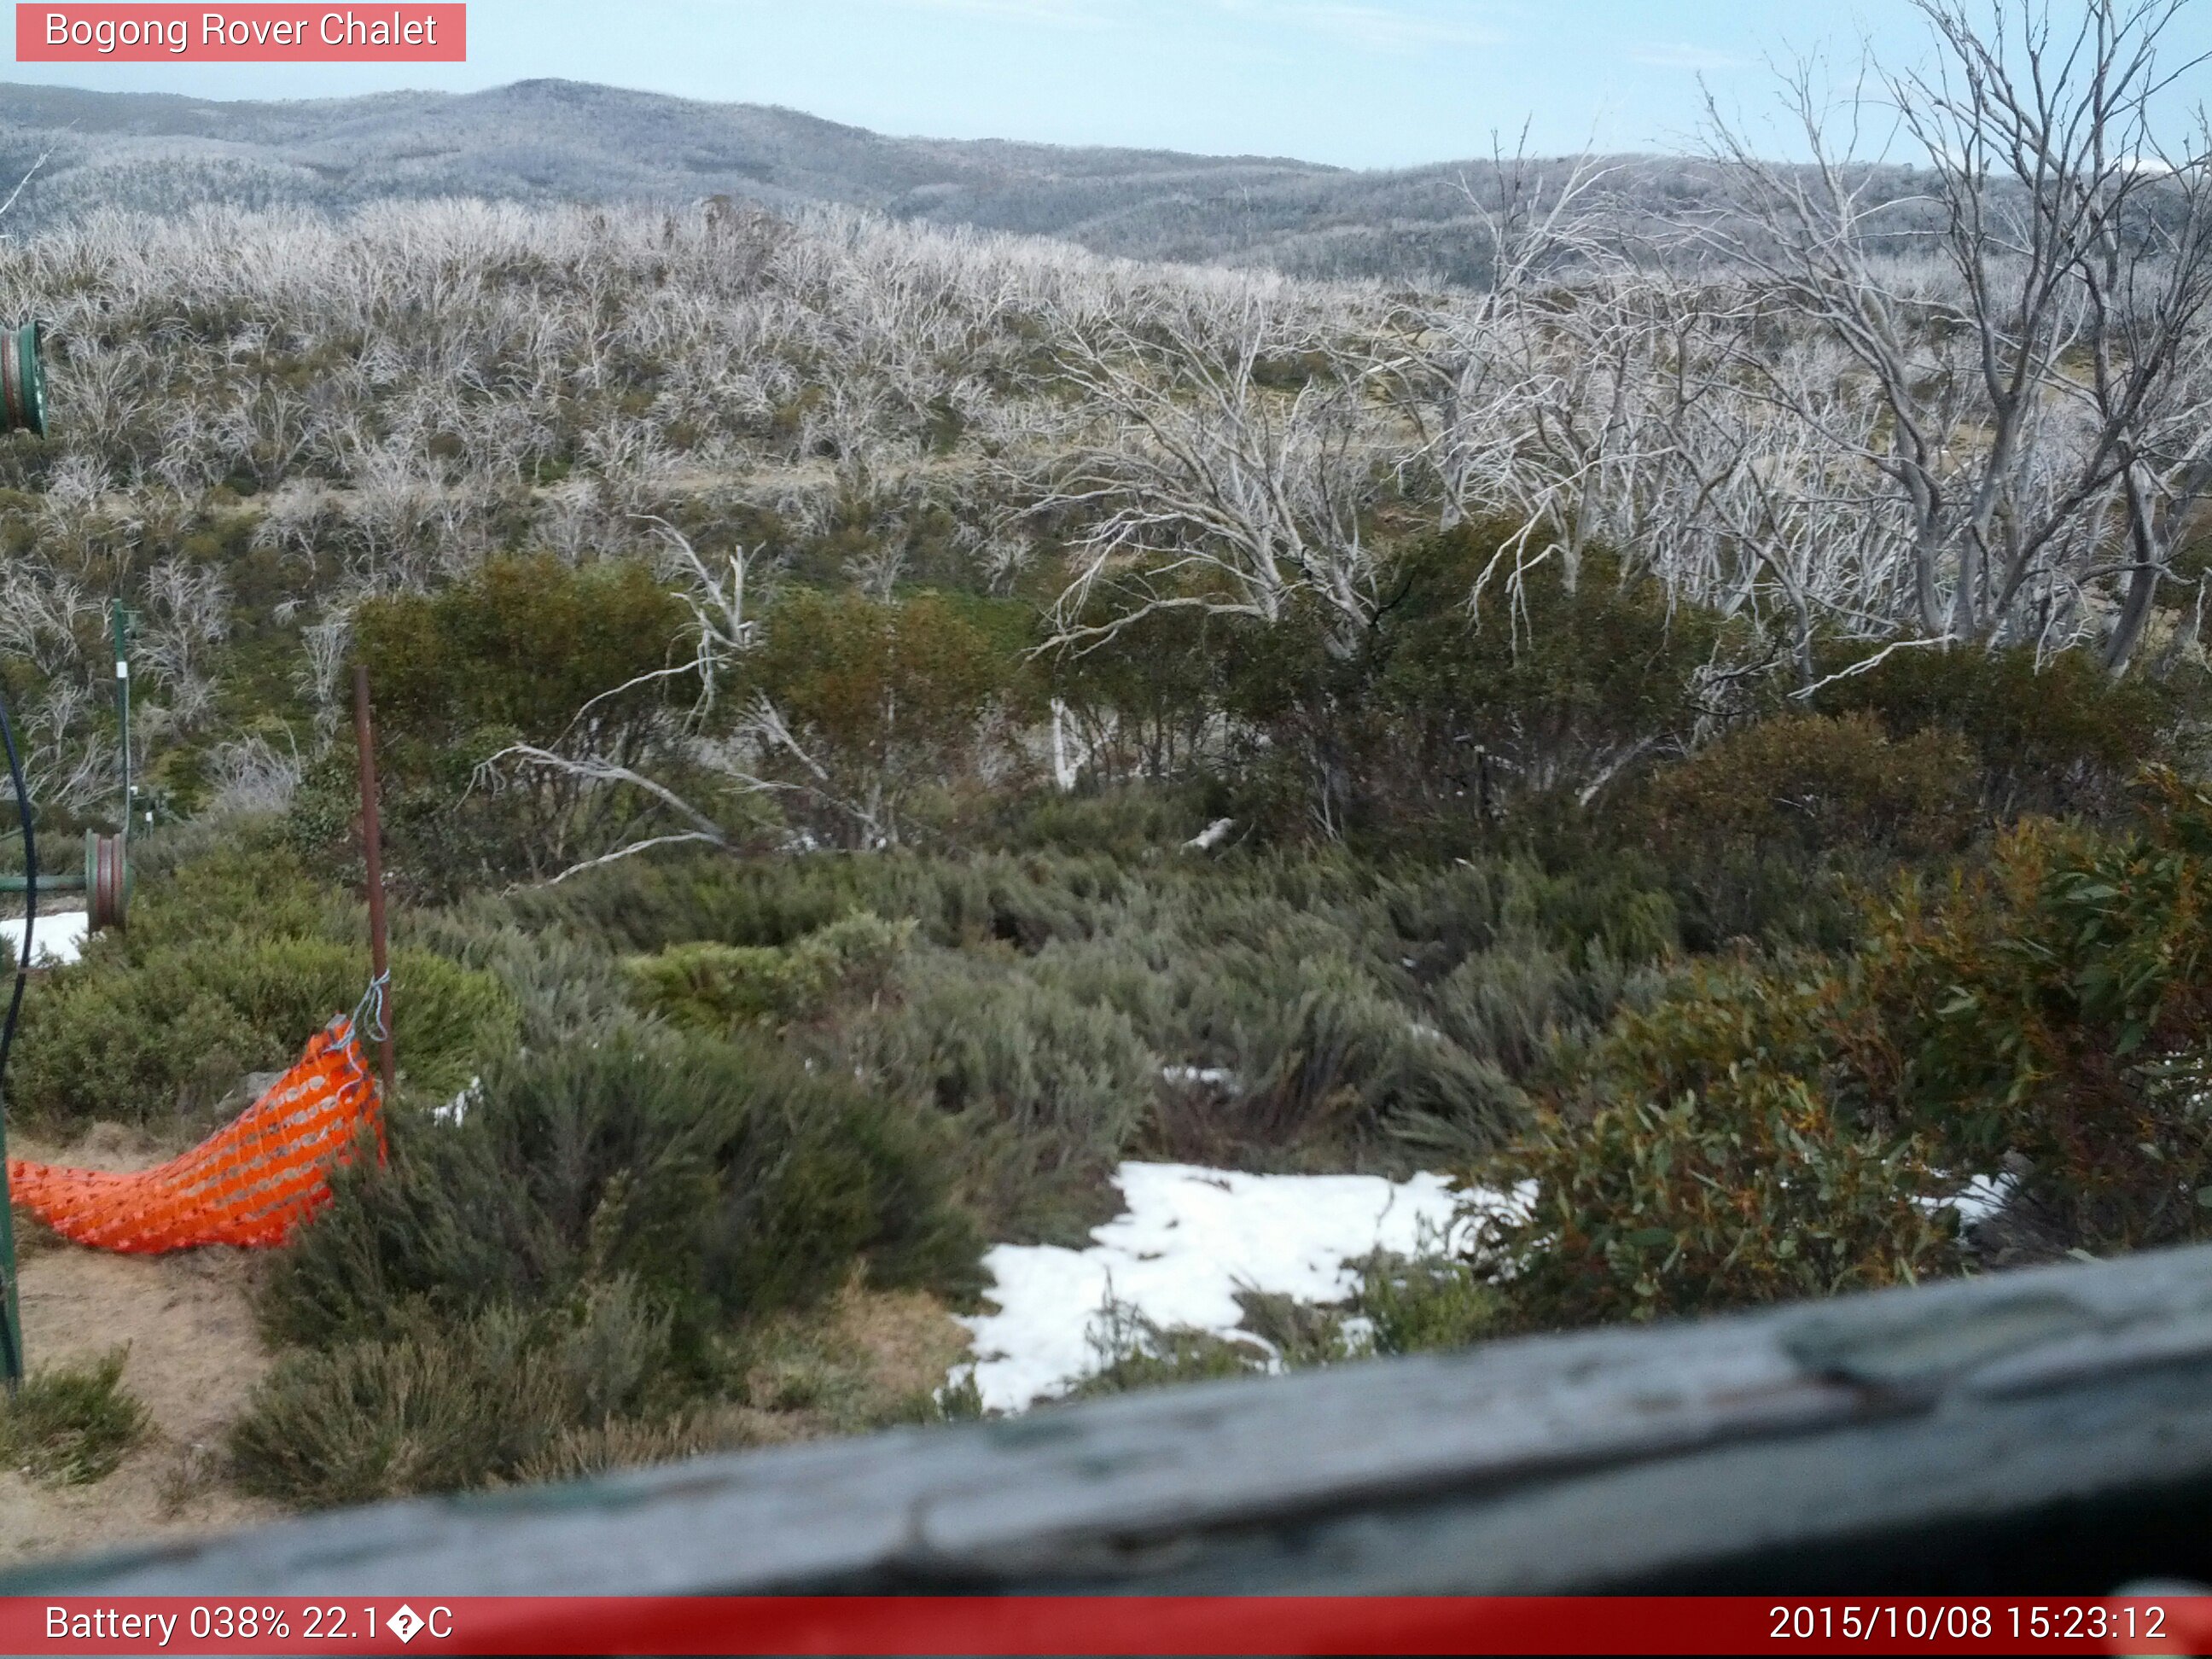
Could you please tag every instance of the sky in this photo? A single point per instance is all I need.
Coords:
(1368, 83)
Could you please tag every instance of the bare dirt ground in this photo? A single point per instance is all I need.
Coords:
(194, 1357)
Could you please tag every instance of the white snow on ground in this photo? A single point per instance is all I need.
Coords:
(456, 1110)
(57, 937)
(1191, 1238)
(1212, 1077)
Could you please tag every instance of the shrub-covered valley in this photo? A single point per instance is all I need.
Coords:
(880, 725)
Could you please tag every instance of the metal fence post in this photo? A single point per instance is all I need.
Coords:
(371, 844)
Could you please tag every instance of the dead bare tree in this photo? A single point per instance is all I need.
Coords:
(187, 612)
(2034, 386)
(1203, 488)
(594, 757)
(24, 183)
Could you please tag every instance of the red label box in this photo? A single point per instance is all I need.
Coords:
(83, 1625)
(257, 34)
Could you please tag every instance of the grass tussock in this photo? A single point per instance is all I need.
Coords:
(72, 1426)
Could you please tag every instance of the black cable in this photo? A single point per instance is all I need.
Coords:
(11, 1360)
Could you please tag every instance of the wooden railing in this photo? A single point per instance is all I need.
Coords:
(2048, 1430)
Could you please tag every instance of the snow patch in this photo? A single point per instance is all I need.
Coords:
(57, 937)
(1210, 1077)
(456, 1110)
(1985, 1195)
(1189, 1240)
(1211, 837)
(1982, 1197)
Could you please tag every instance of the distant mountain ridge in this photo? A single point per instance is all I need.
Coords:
(545, 141)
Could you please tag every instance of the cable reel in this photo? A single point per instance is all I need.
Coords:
(23, 380)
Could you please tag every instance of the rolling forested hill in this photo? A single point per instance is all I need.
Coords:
(564, 141)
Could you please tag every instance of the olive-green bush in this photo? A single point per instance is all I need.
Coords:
(724, 1180)
(447, 1406)
(1795, 1129)
(1747, 1190)
(515, 652)
(1043, 1094)
(229, 965)
(713, 988)
(2054, 1006)
(1770, 832)
(2049, 733)
(1799, 784)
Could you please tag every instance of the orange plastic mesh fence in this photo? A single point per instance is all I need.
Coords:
(251, 1182)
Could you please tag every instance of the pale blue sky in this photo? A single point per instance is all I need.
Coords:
(1356, 82)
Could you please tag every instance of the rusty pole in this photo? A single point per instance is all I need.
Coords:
(372, 847)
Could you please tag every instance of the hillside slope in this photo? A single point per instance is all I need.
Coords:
(547, 141)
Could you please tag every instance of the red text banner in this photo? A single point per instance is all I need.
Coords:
(1103, 1625)
(258, 33)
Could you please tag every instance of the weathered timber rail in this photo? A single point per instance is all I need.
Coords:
(2041, 1431)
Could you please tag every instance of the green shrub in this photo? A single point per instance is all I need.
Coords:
(1333, 994)
(1452, 718)
(724, 987)
(246, 884)
(1325, 1055)
(512, 654)
(2051, 734)
(233, 960)
(578, 1454)
(71, 1425)
(1360, 1012)
(886, 700)
(1799, 784)
(1427, 1304)
(145, 1034)
(636, 906)
(1748, 1190)
(557, 1282)
(1349, 1060)
(1128, 822)
(519, 647)
(1043, 1093)
(450, 1021)
(1524, 1009)
(1431, 1302)
(447, 1406)
(1130, 1352)
(726, 1180)
(565, 989)
(1142, 701)
(1766, 833)
(1779, 1132)
(2054, 1006)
